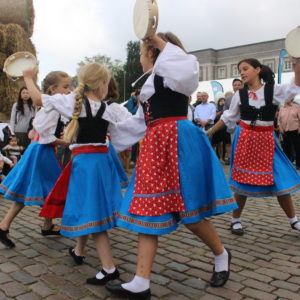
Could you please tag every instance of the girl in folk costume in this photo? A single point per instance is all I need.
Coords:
(31, 180)
(178, 176)
(92, 185)
(258, 166)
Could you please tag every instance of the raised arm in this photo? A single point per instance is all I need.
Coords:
(34, 92)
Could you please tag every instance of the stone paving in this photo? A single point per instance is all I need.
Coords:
(265, 263)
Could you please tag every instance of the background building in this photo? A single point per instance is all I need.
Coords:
(222, 63)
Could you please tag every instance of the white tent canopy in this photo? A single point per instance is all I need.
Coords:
(205, 86)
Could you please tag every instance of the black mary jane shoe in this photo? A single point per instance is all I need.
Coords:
(5, 240)
(239, 231)
(50, 231)
(218, 279)
(293, 225)
(107, 277)
(119, 291)
(77, 258)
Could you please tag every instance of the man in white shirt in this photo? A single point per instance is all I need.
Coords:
(205, 113)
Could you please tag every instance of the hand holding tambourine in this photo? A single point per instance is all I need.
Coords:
(15, 64)
(145, 18)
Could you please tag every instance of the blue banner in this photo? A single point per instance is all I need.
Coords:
(217, 89)
(282, 55)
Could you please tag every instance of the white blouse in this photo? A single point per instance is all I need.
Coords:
(282, 93)
(64, 105)
(180, 72)
(45, 124)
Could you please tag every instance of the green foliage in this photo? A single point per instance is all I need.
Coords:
(125, 74)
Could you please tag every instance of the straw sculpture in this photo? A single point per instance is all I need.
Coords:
(16, 26)
(19, 12)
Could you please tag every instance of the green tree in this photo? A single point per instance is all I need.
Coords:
(125, 74)
(132, 67)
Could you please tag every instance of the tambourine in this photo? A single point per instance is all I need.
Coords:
(292, 42)
(145, 18)
(18, 62)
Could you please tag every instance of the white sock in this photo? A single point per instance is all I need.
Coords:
(293, 220)
(221, 262)
(108, 271)
(137, 285)
(238, 225)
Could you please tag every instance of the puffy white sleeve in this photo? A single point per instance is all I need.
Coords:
(45, 124)
(231, 116)
(126, 131)
(285, 92)
(63, 104)
(179, 69)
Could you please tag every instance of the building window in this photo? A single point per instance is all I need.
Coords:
(221, 72)
(287, 65)
(234, 71)
(270, 63)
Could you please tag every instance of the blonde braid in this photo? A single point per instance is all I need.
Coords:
(71, 131)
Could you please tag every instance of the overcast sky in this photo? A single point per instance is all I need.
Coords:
(66, 31)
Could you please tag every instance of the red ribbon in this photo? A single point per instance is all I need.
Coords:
(252, 95)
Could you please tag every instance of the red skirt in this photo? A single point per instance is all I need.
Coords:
(254, 155)
(157, 187)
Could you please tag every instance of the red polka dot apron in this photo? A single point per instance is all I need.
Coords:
(157, 186)
(254, 155)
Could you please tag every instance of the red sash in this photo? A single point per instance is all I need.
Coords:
(254, 155)
(157, 186)
(55, 202)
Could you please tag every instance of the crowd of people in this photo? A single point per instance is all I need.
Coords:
(177, 179)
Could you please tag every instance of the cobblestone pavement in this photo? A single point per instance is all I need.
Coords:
(265, 263)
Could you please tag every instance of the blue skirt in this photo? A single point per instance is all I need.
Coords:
(286, 178)
(203, 187)
(124, 181)
(33, 177)
(93, 197)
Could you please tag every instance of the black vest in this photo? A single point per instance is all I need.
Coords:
(164, 103)
(264, 113)
(59, 128)
(92, 129)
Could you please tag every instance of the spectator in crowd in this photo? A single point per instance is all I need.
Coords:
(205, 113)
(12, 150)
(199, 100)
(289, 126)
(221, 139)
(236, 85)
(21, 114)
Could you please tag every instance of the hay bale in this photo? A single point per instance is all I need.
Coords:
(9, 91)
(2, 38)
(2, 60)
(19, 12)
